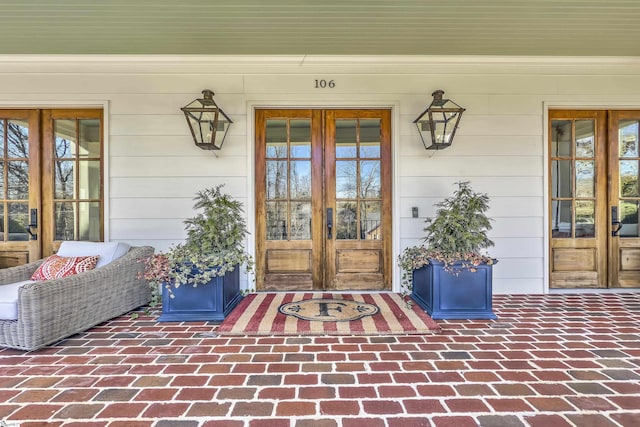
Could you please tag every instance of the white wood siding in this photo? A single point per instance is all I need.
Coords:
(154, 169)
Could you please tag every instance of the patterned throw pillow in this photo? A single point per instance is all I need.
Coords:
(56, 267)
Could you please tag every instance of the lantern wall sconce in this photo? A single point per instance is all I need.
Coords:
(438, 123)
(208, 123)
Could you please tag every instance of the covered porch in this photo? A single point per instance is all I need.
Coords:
(549, 360)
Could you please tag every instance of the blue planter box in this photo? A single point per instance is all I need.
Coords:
(467, 295)
(211, 301)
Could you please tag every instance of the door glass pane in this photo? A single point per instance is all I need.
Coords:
(17, 139)
(585, 138)
(585, 218)
(89, 221)
(89, 138)
(629, 218)
(561, 138)
(561, 215)
(629, 178)
(65, 137)
(370, 179)
(18, 221)
(17, 180)
(346, 138)
(561, 178)
(89, 185)
(628, 138)
(370, 225)
(585, 178)
(300, 179)
(346, 179)
(64, 180)
(300, 131)
(64, 217)
(276, 220)
(346, 220)
(276, 179)
(300, 220)
(370, 138)
(2, 141)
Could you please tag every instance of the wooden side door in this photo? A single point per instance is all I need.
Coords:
(624, 199)
(19, 186)
(323, 199)
(51, 181)
(578, 204)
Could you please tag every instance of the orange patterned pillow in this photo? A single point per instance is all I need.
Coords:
(56, 267)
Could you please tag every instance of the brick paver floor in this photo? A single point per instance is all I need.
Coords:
(548, 361)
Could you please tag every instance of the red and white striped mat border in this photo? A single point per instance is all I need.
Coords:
(257, 314)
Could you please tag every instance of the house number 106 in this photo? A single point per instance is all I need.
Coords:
(323, 84)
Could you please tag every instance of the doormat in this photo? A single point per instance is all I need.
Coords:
(296, 313)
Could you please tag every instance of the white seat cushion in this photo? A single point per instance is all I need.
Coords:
(108, 251)
(9, 300)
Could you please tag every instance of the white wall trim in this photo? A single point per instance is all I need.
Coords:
(394, 105)
(325, 59)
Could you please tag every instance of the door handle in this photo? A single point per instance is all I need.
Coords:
(33, 224)
(329, 223)
(615, 224)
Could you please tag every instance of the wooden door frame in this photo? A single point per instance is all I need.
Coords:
(392, 105)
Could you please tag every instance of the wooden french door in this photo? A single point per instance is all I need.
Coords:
(594, 193)
(323, 199)
(51, 185)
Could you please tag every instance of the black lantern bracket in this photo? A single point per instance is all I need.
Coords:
(207, 122)
(437, 124)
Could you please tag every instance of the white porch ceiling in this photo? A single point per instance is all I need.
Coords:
(321, 27)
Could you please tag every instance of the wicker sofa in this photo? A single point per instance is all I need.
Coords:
(51, 310)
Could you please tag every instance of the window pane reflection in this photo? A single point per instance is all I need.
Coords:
(370, 138)
(276, 179)
(370, 179)
(346, 179)
(17, 139)
(89, 138)
(561, 178)
(585, 138)
(628, 138)
(89, 221)
(585, 218)
(370, 225)
(300, 220)
(346, 221)
(64, 218)
(561, 138)
(17, 180)
(585, 178)
(561, 215)
(629, 218)
(300, 131)
(18, 221)
(346, 136)
(65, 137)
(276, 139)
(89, 185)
(300, 180)
(629, 178)
(64, 179)
(276, 220)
